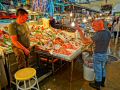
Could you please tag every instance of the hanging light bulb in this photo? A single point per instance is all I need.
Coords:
(84, 20)
(73, 24)
(100, 14)
(74, 19)
(71, 14)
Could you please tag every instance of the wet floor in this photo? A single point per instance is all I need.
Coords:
(61, 79)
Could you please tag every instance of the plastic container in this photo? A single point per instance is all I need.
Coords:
(85, 55)
(45, 23)
(88, 73)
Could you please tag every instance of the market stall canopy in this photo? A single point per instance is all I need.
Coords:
(95, 8)
(116, 9)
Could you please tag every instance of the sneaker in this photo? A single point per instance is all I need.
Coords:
(95, 85)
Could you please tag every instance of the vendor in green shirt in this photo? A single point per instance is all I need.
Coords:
(19, 33)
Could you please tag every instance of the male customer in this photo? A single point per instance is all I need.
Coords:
(101, 39)
(19, 33)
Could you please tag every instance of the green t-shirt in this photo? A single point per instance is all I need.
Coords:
(22, 32)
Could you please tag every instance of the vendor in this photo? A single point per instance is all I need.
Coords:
(19, 33)
(54, 24)
(101, 39)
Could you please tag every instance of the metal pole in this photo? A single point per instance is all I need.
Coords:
(71, 71)
(106, 1)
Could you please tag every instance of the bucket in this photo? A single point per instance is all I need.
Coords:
(88, 73)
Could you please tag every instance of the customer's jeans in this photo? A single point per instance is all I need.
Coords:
(100, 65)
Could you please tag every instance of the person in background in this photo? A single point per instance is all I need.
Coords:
(115, 19)
(52, 22)
(19, 34)
(101, 40)
(116, 27)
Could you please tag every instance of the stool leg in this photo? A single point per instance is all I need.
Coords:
(37, 82)
(117, 36)
(53, 67)
(29, 84)
(17, 84)
(25, 85)
(61, 63)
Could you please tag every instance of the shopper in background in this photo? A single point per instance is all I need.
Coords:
(101, 40)
(115, 19)
(116, 27)
(19, 33)
(52, 22)
(55, 24)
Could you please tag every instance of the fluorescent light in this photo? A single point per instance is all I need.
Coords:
(12, 10)
(33, 12)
